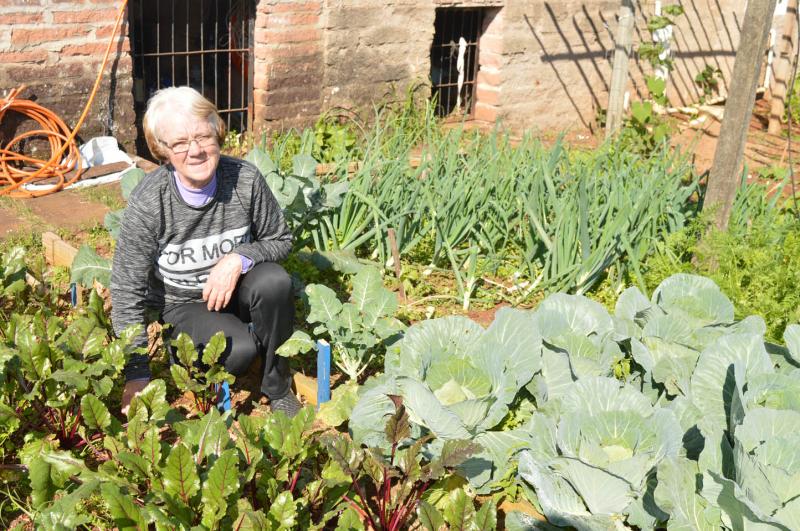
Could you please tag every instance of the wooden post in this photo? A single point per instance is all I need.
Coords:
(619, 75)
(782, 82)
(723, 180)
(396, 259)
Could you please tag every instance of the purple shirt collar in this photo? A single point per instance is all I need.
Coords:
(196, 197)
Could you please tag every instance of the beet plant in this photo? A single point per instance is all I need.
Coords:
(202, 377)
(53, 369)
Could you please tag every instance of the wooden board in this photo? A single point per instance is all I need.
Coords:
(306, 387)
(57, 252)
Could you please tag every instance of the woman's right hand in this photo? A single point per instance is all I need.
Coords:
(131, 388)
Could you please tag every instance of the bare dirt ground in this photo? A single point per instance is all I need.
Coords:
(66, 209)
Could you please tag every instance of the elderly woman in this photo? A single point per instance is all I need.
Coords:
(199, 243)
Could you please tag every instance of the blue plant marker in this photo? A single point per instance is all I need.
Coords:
(73, 294)
(323, 372)
(224, 398)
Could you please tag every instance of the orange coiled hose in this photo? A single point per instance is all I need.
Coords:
(17, 169)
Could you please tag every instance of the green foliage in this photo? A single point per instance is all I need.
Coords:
(358, 329)
(793, 103)
(200, 376)
(646, 131)
(301, 195)
(402, 475)
(708, 81)
(88, 266)
(330, 140)
(12, 276)
(55, 373)
(756, 261)
(457, 382)
(477, 204)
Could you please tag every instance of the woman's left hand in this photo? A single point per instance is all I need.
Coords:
(221, 282)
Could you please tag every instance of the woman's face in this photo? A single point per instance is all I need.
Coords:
(192, 148)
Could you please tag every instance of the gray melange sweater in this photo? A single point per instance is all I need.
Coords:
(166, 248)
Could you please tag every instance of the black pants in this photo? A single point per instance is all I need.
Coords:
(257, 320)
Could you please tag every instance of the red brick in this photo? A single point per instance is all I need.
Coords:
(260, 81)
(9, 19)
(105, 31)
(297, 51)
(290, 35)
(293, 7)
(26, 37)
(85, 16)
(487, 113)
(11, 3)
(488, 95)
(489, 77)
(34, 56)
(490, 60)
(94, 48)
(282, 20)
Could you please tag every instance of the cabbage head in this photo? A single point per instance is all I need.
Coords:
(457, 381)
(594, 457)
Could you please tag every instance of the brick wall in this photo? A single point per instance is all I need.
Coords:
(543, 63)
(55, 47)
(490, 60)
(288, 63)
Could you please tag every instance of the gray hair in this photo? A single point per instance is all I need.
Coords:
(171, 100)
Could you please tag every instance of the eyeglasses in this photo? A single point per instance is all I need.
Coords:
(182, 146)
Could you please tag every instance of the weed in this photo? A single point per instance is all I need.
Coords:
(107, 194)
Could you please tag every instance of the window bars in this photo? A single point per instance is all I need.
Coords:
(454, 60)
(206, 44)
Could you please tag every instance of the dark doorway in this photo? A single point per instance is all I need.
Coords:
(206, 44)
(454, 60)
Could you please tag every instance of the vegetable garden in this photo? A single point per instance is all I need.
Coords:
(614, 388)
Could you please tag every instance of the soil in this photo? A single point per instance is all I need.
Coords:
(62, 210)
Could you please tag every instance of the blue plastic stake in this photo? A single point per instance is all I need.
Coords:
(323, 372)
(224, 398)
(73, 294)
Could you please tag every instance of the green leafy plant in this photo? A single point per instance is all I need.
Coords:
(389, 488)
(755, 260)
(12, 279)
(56, 372)
(200, 376)
(457, 381)
(708, 81)
(358, 329)
(300, 193)
(646, 129)
(331, 139)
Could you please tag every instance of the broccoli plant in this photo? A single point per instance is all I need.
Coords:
(359, 329)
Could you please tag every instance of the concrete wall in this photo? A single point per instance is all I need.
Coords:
(543, 64)
(558, 56)
(55, 47)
